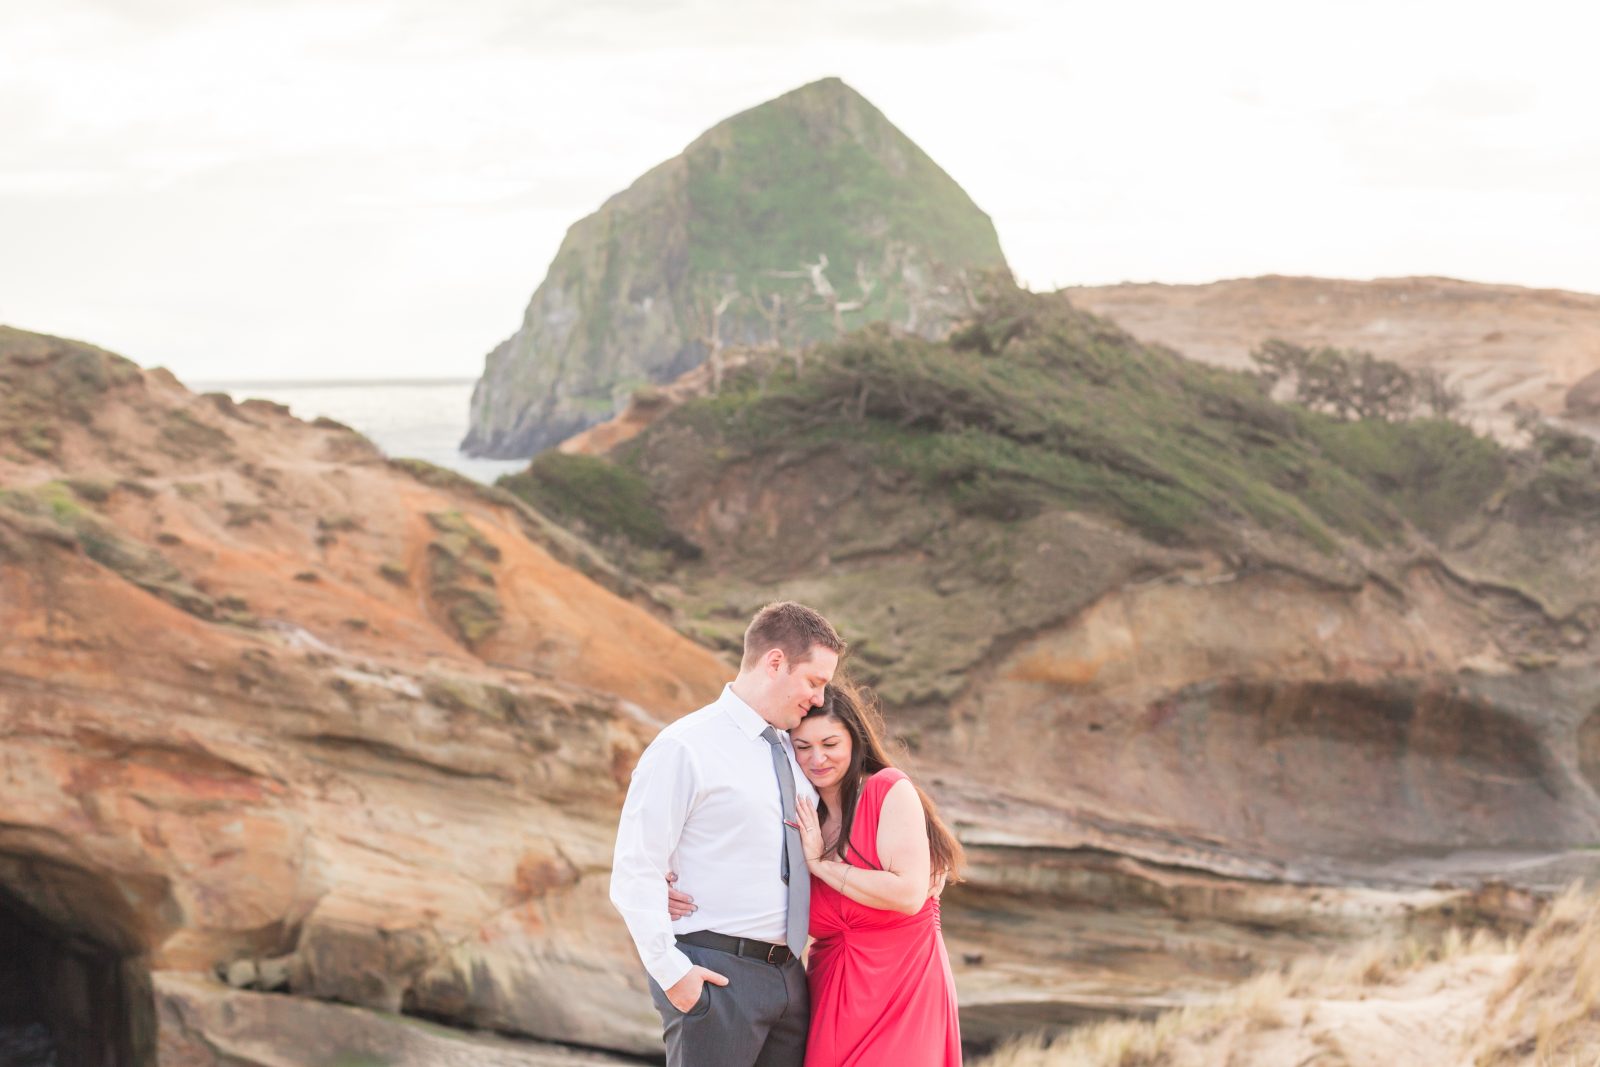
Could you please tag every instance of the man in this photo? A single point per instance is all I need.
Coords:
(710, 800)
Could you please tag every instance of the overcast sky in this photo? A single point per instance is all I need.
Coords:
(360, 188)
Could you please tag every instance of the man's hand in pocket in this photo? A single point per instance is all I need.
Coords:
(685, 992)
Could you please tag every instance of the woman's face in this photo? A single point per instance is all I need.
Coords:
(822, 748)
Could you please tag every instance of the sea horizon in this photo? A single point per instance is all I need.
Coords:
(411, 418)
(230, 384)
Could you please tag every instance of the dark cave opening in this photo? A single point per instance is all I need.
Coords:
(66, 1000)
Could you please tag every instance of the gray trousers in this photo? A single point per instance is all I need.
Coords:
(759, 1019)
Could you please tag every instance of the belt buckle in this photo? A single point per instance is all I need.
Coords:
(771, 951)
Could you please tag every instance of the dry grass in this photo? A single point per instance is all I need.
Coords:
(1544, 1013)
(1377, 962)
(1118, 1043)
(1547, 1012)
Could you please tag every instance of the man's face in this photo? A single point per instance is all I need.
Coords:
(798, 687)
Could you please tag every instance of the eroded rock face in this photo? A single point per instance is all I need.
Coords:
(1186, 781)
(276, 706)
(204, 1024)
(1174, 759)
(245, 719)
(1583, 399)
(1589, 748)
(1326, 731)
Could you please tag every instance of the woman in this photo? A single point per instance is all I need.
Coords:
(881, 988)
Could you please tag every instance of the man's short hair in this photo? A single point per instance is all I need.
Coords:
(794, 628)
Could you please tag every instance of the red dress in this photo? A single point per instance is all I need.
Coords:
(881, 990)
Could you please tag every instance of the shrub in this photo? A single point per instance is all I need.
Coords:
(603, 497)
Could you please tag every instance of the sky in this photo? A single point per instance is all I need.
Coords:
(291, 189)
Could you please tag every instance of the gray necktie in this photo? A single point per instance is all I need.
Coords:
(799, 919)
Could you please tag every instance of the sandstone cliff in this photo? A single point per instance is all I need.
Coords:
(1500, 345)
(274, 706)
(1583, 399)
(816, 175)
(1203, 679)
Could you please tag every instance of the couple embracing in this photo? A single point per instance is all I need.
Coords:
(768, 814)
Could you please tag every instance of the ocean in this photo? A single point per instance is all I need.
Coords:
(418, 419)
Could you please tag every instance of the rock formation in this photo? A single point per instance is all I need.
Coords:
(781, 224)
(297, 737)
(275, 707)
(1502, 346)
(1202, 679)
(1583, 399)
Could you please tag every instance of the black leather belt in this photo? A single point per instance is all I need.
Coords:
(765, 951)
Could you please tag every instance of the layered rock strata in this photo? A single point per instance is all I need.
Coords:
(1178, 748)
(267, 696)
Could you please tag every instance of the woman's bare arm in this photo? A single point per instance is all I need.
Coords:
(904, 882)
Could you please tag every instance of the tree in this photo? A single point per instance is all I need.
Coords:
(772, 310)
(827, 295)
(1349, 383)
(1380, 389)
(709, 308)
(1437, 394)
(1278, 360)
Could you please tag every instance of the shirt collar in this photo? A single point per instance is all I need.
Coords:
(746, 718)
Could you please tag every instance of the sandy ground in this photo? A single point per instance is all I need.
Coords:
(1426, 1020)
(1431, 1016)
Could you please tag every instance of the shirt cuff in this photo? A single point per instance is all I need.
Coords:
(669, 970)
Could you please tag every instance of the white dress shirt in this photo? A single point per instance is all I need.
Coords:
(704, 802)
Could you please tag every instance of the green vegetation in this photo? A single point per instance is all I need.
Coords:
(929, 496)
(322, 422)
(57, 497)
(474, 613)
(1353, 384)
(1562, 477)
(338, 523)
(820, 171)
(88, 490)
(437, 477)
(137, 488)
(182, 436)
(1036, 406)
(466, 696)
(42, 441)
(599, 497)
(1431, 470)
(242, 514)
(716, 248)
(52, 512)
(460, 578)
(461, 538)
(538, 527)
(46, 382)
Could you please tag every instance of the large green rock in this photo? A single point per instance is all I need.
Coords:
(738, 217)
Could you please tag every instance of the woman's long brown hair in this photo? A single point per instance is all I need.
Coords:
(858, 713)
